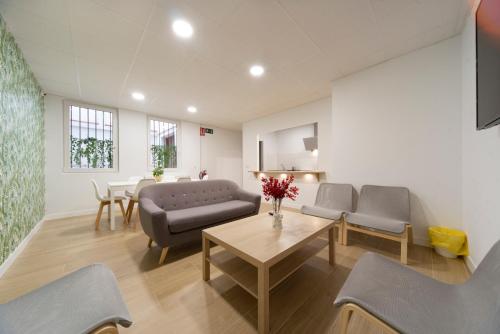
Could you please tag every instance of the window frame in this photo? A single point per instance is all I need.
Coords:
(66, 137)
(179, 142)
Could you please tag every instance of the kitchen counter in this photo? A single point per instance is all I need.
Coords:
(316, 173)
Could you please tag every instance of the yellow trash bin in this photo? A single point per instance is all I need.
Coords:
(448, 242)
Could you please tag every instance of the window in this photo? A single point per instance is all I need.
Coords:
(163, 141)
(90, 138)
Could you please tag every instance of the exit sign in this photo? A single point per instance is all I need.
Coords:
(204, 131)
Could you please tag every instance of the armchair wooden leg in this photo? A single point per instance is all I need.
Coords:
(150, 242)
(163, 255)
(347, 311)
(106, 329)
(345, 231)
(410, 234)
(99, 213)
(345, 316)
(340, 232)
(404, 246)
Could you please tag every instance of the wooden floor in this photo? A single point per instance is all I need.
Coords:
(173, 298)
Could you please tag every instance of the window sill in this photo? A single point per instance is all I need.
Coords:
(89, 170)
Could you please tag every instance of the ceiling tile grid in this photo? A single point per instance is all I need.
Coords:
(101, 51)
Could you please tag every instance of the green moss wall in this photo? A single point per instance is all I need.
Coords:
(21, 146)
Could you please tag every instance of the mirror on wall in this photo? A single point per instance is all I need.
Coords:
(289, 149)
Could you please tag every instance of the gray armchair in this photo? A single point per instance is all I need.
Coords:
(382, 212)
(85, 301)
(332, 201)
(401, 300)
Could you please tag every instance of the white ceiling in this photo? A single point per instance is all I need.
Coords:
(99, 51)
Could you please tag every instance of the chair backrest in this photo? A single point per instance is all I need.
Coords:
(482, 294)
(182, 195)
(335, 196)
(98, 195)
(141, 184)
(389, 202)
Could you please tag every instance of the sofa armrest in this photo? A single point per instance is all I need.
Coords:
(247, 196)
(153, 221)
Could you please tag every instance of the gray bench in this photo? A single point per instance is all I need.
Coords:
(175, 213)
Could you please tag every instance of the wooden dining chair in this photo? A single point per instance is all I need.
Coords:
(134, 196)
(103, 201)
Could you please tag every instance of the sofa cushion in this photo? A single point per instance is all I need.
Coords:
(376, 222)
(196, 217)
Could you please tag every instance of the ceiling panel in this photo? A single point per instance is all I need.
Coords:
(136, 11)
(272, 37)
(102, 50)
(49, 63)
(35, 28)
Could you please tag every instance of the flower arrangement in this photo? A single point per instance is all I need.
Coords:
(202, 174)
(277, 189)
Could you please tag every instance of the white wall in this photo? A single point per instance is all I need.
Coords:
(318, 111)
(399, 124)
(72, 194)
(291, 151)
(481, 162)
(270, 148)
(221, 154)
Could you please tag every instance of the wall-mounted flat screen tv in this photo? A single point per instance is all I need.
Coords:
(488, 63)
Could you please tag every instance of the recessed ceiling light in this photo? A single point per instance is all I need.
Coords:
(257, 70)
(138, 96)
(182, 28)
(192, 109)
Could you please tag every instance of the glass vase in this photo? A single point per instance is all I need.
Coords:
(277, 216)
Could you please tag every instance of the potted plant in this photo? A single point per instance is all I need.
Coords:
(157, 173)
(276, 189)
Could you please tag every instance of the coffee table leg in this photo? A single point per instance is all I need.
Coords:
(263, 300)
(206, 255)
(331, 246)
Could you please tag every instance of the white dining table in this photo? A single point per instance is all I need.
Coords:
(116, 186)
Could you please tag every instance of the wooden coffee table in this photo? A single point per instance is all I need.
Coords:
(258, 257)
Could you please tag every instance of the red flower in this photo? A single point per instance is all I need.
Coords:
(274, 188)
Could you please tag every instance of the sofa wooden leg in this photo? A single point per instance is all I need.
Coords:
(150, 243)
(163, 255)
(106, 329)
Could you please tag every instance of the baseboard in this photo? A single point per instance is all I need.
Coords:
(421, 241)
(471, 266)
(69, 214)
(19, 249)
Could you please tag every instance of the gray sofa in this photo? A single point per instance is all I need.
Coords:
(175, 213)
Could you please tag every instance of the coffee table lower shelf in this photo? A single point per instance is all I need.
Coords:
(245, 274)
